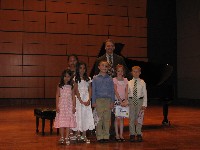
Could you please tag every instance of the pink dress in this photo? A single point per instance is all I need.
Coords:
(121, 85)
(65, 118)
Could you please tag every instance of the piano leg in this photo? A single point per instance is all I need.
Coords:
(165, 113)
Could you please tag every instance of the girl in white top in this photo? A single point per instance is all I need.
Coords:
(84, 116)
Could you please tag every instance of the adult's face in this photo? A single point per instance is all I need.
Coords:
(109, 47)
(72, 63)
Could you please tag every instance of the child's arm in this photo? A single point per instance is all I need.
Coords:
(57, 99)
(116, 93)
(126, 96)
(73, 101)
(90, 94)
(77, 93)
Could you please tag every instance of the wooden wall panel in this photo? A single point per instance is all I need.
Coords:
(36, 5)
(107, 10)
(34, 48)
(34, 82)
(138, 22)
(50, 93)
(57, 39)
(10, 22)
(34, 21)
(10, 4)
(108, 20)
(10, 82)
(33, 93)
(34, 37)
(119, 2)
(34, 60)
(98, 30)
(93, 50)
(11, 37)
(137, 11)
(118, 31)
(10, 71)
(138, 32)
(78, 49)
(37, 35)
(75, 8)
(33, 71)
(56, 5)
(52, 82)
(11, 92)
(77, 29)
(11, 48)
(56, 22)
(78, 19)
(59, 49)
(10, 59)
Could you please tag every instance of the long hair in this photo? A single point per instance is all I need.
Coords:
(62, 82)
(78, 77)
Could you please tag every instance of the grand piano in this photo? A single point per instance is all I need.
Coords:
(156, 77)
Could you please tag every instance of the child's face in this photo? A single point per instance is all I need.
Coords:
(82, 69)
(136, 73)
(120, 72)
(67, 78)
(103, 67)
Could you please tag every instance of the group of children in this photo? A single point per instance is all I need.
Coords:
(73, 103)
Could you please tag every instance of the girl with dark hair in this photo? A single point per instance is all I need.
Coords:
(84, 116)
(65, 106)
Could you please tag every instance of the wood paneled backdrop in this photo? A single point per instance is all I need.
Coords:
(37, 35)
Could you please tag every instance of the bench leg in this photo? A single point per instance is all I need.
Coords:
(43, 125)
(37, 124)
(51, 125)
(57, 131)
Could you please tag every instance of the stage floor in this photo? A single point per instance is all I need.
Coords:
(17, 131)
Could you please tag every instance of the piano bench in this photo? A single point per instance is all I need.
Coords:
(45, 113)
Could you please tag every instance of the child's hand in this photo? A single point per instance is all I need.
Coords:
(57, 110)
(111, 105)
(73, 109)
(143, 108)
(94, 105)
(87, 103)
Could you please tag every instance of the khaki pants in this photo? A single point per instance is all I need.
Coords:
(104, 114)
(133, 115)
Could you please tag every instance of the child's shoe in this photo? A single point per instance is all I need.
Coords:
(61, 140)
(86, 140)
(139, 138)
(67, 141)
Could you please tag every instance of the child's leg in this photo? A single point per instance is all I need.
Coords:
(132, 118)
(85, 137)
(106, 119)
(61, 132)
(61, 140)
(116, 128)
(121, 127)
(67, 135)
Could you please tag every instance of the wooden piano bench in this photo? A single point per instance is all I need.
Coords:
(45, 113)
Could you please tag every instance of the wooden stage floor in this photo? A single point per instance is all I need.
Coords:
(17, 131)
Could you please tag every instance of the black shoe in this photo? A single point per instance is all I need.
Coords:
(122, 140)
(117, 140)
(106, 140)
(132, 138)
(101, 141)
(139, 138)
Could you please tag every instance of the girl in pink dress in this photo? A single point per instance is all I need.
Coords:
(65, 106)
(121, 98)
